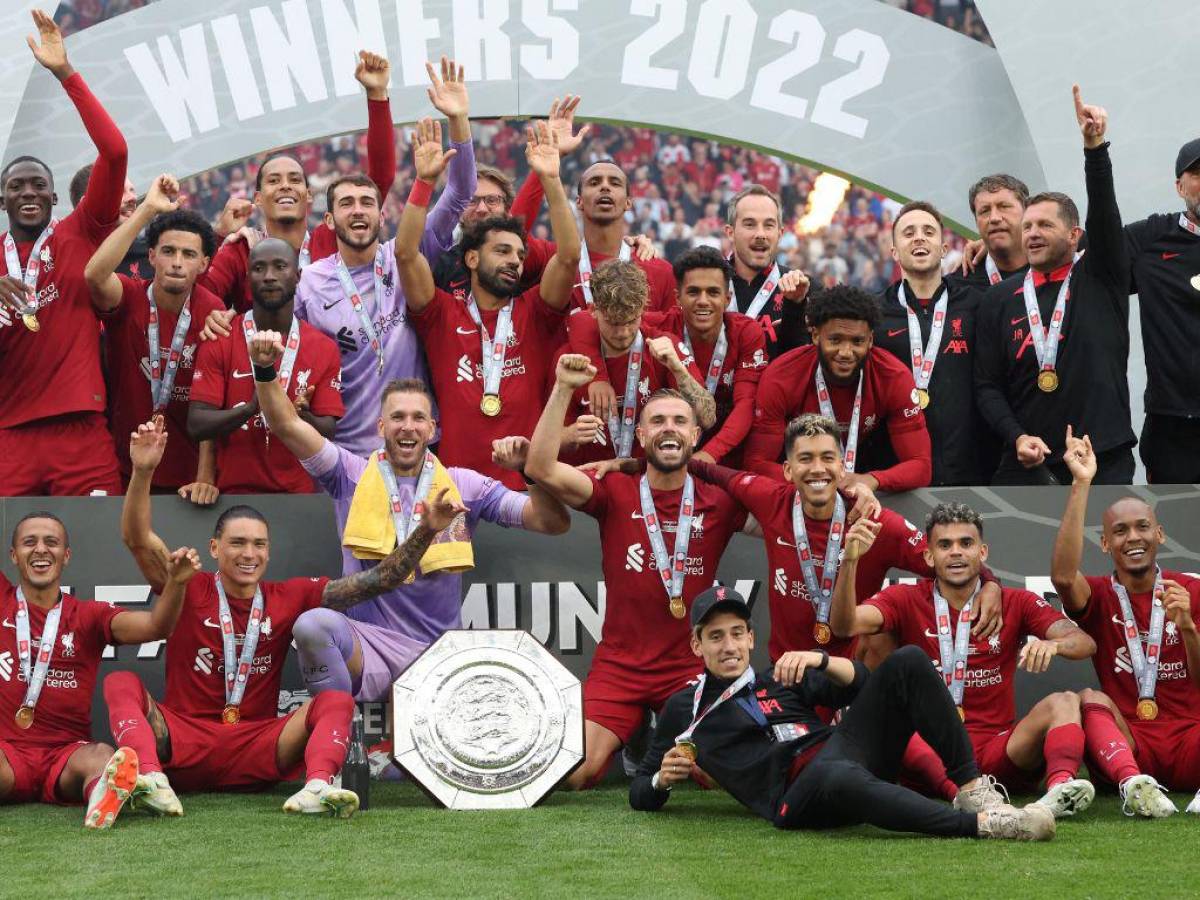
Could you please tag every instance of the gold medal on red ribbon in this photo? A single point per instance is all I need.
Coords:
(1147, 709)
(678, 610)
(822, 633)
(24, 718)
(490, 405)
(231, 715)
(1047, 381)
(962, 713)
(686, 748)
(922, 398)
(31, 322)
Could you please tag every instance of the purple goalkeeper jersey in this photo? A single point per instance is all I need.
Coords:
(426, 607)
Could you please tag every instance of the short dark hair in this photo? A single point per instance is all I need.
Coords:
(751, 190)
(79, 183)
(998, 182)
(239, 511)
(842, 301)
(917, 206)
(607, 160)
(258, 176)
(1067, 210)
(22, 159)
(810, 425)
(40, 514)
(406, 386)
(358, 179)
(702, 258)
(182, 220)
(953, 514)
(475, 235)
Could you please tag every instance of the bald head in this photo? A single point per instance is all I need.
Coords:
(273, 273)
(1127, 510)
(1132, 536)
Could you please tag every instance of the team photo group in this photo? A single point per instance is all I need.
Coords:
(517, 353)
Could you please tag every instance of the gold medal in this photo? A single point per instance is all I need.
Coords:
(1147, 709)
(1047, 381)
(962, 714)
(686, 748)
(822, 633)
(678, 610)
(24, 718)
(231, 715)
(922, 398)
(490, 405)
(31, 322)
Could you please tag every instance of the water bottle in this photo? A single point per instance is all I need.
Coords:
(356, 773)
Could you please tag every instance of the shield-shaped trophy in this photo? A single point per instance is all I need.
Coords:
(487, 720)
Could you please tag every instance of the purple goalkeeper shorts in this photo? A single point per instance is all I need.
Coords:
(385, 654)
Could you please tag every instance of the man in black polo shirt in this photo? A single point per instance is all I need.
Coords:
(1053, 344)
(1165, 249)
(758, 737)
(998, 204)
(762, 289)
(928, 323)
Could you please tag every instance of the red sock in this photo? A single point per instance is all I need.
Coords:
(328, 724)
(1063, 749)
(926, 769)
(1107, 750)
(89, 787)
(125, 696)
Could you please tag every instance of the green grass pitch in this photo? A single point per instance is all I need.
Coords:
(574, 845)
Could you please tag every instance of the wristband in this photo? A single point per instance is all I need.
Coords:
(263, 373)
(824, 661)
(528, 480)
(421, 192)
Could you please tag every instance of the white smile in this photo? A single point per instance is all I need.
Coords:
(30, 208)
(248, 568)
(406, 445)
(286, 201)
(819, 484)
(41, 565)
(669, 445)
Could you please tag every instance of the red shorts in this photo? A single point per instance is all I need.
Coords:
(64, 456)
(617, 697)
(207, 754)
(37, 769)
(991, 755)
(1168, 750)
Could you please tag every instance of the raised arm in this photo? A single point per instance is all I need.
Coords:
(544, 513)
(280, 413)
(101, 270)
(373, 73)
(416, 278)
(159, 623)
(1073, 589)
(558, 278)
(448, 94)
(395, 568)
(146, 447)
(662, 348)
(846, 617)
(565, 482)
(1108, 253)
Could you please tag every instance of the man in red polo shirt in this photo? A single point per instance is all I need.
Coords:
(224, 405)
(53, 394)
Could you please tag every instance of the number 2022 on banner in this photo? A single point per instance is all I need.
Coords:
(719, 65)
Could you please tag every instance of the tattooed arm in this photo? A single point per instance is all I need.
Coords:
(662, 348)
(394, 569)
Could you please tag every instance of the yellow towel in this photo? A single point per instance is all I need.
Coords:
(371, 534)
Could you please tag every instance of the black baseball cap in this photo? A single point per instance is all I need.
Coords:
(718, 599)
(1189, 155)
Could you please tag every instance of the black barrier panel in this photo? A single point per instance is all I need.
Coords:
(552, 586)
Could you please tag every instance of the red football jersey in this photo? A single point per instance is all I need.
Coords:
(988, 698)
(1176, 695)
(64, 709)
(899, 545)
(247, 461)
(455, 353)
(639, 630)
(195, 662)
(129, 376)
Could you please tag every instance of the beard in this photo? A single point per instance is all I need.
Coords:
(685, 456)
(274, 303)
(356, 240)
(490, 280)
(833, 378)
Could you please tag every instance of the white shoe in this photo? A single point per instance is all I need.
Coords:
(1029, 823)
(155, 794)
(988, 794)
(112, 789)
(1143, 796)
(321, 798)
(1194, 806)
(1069, 797)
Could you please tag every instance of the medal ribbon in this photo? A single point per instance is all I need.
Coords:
(291, 348)
(585, 268)
(356, 300)
(923, 360)
(35, 672)
(30, 274)
(405, 524)
(993, 271)
(492, 350)
(1145, 663)
(162, 383)
(827, 411)
(305, 255)
(820, 595)
(743, 680)
(622, 429)
(954, 650)
(235, 684)
(716, 364)
(1188, 225)
(1045, 341)
(670, 568)
(764, 293)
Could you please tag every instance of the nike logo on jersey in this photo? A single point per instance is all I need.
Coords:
(209, 623)
(1018, 320)
(7, 624)
(466, 331)
(896, 332)
(782, 543)
(237, 374)
(1169, 255)
(331, 305)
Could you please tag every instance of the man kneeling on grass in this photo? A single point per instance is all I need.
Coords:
(772, 752)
